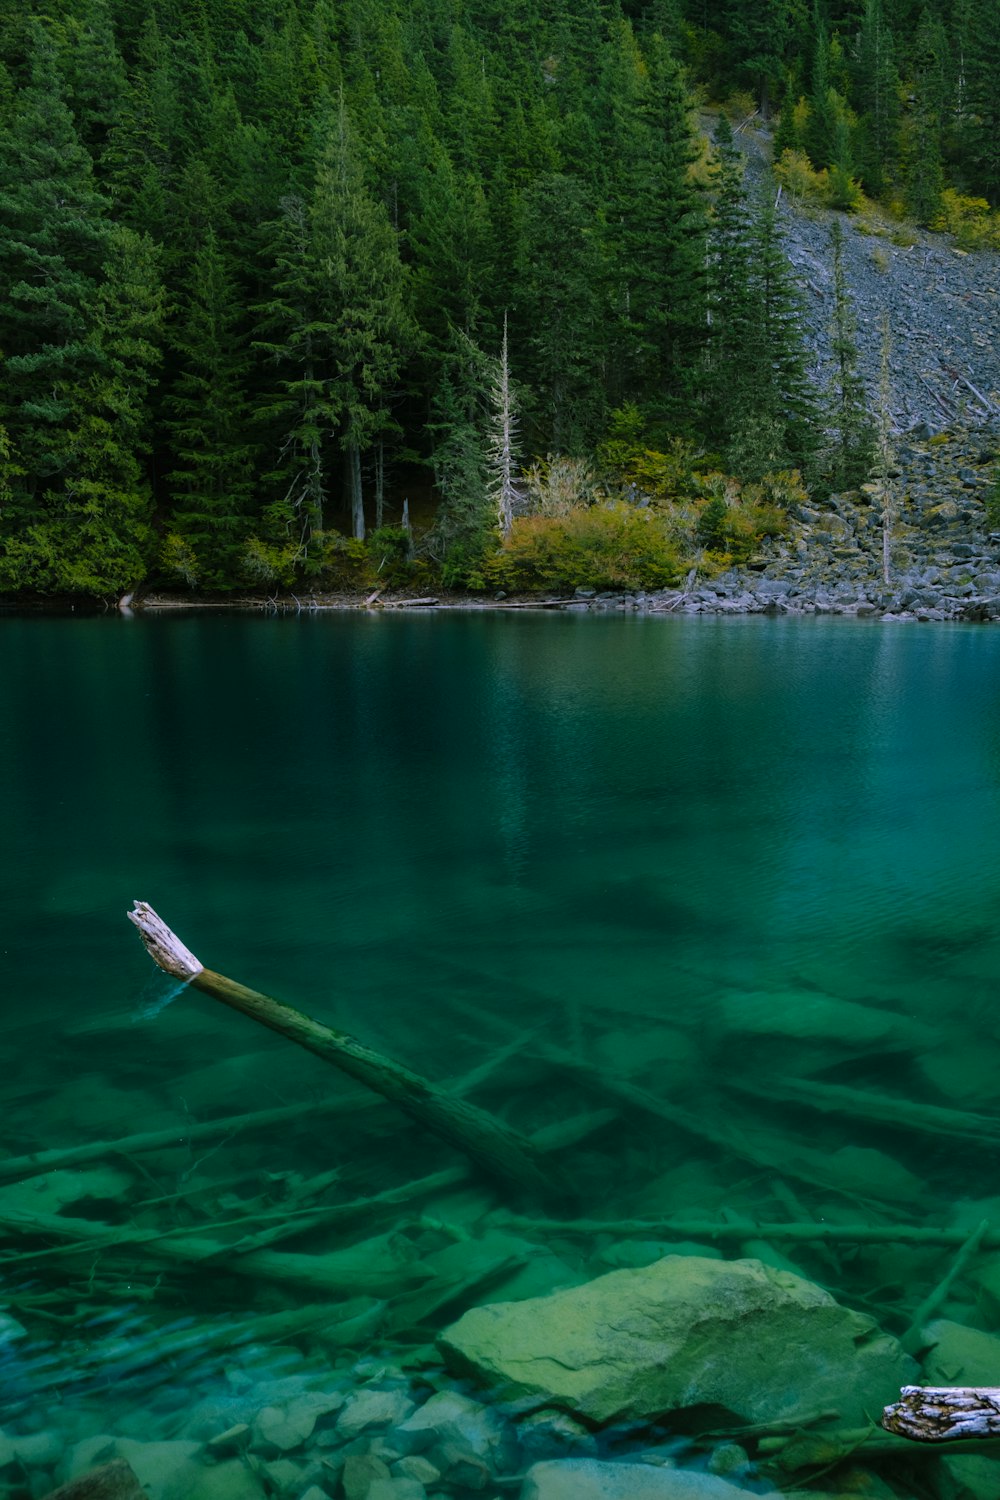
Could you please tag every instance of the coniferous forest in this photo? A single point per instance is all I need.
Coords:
(279, 276)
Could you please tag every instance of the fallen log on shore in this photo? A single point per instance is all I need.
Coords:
(501, 1151)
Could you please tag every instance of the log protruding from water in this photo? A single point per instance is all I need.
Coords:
(163, 946)
(502, 1151)
(941, 1414)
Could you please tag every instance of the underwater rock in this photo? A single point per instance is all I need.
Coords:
(419, 1468)
(373, 1409)
(960, 1356)
(589, 1479)
(113, 1481)
(282, 1428)
(450, 1417)
(761, 1343)
(396, 1488)
(807, 1015)
(360, 1472)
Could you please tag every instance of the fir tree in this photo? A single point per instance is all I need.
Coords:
(559, 308)
(210, 418)
(79, 314)
(854, 434)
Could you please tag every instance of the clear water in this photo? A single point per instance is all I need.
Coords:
(631, 838)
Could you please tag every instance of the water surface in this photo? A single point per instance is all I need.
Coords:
(640, 840)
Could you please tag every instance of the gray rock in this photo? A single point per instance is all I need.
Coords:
(460, 1469)
(761, 1343)
(172, 1471)
(396, 1489)
(960, 1356)
(373, 1409)
(417, 1467)
(451, 1417)
(588, 1479)
(38, 1450)
(279, 1429)
(550, 1434)
(359, 1474)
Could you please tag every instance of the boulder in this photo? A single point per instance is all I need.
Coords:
(960, 1356)
(761, 1343)
(589, 1479)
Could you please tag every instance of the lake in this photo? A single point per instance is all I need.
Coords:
(718, 859)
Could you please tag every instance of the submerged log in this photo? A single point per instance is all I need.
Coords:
(944, 1414)
(501, 1151)
(791, 1233)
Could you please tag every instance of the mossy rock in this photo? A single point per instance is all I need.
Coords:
(759, 1343)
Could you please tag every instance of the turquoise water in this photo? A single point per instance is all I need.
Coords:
(696, 853)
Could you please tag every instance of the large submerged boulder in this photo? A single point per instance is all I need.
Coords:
(763, 1344)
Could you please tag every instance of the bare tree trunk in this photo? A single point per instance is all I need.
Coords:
(379, 483)
(357, 496)
(504, 427)
(503, 1152)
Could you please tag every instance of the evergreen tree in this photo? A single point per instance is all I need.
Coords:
(877, 83)
(779, 429)
(338, 329)
(981, 124)
(854, 433)
(559, 308)
(655, 230)
(79, 311)
(922, 136)
(209, 420)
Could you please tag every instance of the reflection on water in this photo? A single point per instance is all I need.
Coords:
(690, 853)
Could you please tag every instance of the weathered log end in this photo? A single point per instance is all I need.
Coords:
(941, 1414)
(163, 946)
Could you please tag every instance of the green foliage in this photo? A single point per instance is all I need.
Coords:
(734, 519)
(613, 546)
(253, 260)
(555, 485)
(389, 551)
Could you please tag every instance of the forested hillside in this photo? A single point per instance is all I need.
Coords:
(268, 268)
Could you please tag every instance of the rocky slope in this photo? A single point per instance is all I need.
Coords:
(944, 563)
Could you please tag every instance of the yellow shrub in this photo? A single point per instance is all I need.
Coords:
(615, 546)
(971, 220)
(797, 175)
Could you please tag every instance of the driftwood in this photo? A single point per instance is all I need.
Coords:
(904, 1114)
(913, 1338)
(347, 1272)
(16, 1168)
(742, 1137)
(943, 1414)
(711, 1229)
(497, 1148)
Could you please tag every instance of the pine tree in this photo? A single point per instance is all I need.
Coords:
(655, 230)
(778, 429)
(79, 314)
(209, 419)
(338, 329)
(563, 341)
(922, 136)
(729, 380)
(853, 449)
(877, 85)
(981, 125)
